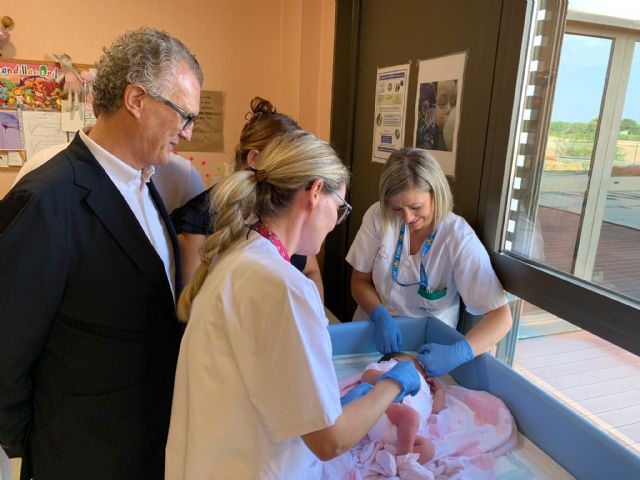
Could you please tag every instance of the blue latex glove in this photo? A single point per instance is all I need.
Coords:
(386, 333)
(406, 375)
(439, 360)
(356, 392)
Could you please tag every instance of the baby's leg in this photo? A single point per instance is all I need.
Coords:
(424, 448)
(407, 421)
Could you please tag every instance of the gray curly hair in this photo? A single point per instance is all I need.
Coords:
(146, 56)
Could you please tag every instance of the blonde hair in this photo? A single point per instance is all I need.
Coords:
(287, 164)
(414, 168)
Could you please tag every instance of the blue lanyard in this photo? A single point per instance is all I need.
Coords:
(396, 259)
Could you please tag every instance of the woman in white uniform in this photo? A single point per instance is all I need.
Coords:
(413, 257)
(256, 394)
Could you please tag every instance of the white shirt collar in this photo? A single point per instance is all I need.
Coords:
(117, 169)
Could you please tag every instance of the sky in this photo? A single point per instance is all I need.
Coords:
(613, 8)
(583, 68)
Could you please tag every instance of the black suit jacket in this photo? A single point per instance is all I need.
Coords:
(88, 333)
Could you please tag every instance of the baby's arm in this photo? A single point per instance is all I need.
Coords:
(438, 394)
(371, 376)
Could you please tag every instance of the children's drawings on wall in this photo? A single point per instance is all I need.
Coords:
(29, 85)
(32, 95)
(41, 130)
(10, 131)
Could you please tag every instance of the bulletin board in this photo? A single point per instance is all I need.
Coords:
(33, 113)
(207, 139)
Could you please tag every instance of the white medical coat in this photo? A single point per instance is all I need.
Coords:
(254, 372)
(456, 260)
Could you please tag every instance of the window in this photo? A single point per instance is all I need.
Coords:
(568, 251)
(568, 238)
(581, 211)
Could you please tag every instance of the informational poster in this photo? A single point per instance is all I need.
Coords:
(207, 133)
(390, 111)
(438, 103)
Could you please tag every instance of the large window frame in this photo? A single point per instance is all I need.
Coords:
(603, 313)
(607, 134)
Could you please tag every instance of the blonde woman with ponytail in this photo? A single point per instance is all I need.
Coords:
(256, 394)
(414, 257)
(194, 220)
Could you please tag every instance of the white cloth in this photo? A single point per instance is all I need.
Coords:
(421, 402)
(254, 372)
(132, 184)
(177, 181)
(456, 260)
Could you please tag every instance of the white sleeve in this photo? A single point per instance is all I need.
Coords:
(195, 186)
(477, 282)
(365, 246)
(284, 357)
(177, 181)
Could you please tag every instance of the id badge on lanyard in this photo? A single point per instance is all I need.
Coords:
(424, 290)
(430, 294)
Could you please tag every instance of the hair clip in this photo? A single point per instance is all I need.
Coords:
(261, 175)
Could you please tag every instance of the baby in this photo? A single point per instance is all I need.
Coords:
(401, 422)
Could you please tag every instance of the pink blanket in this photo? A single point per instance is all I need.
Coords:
(472, 430)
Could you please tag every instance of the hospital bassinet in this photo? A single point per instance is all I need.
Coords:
(555, 442)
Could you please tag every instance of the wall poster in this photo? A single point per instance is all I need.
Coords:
(390, 111)
(208, 132)
(438, 103)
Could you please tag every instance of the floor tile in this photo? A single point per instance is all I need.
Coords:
(598, 389)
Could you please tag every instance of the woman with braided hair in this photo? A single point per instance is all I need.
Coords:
(194, 220)
(256, 394)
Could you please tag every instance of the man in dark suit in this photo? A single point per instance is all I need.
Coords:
(89, 274)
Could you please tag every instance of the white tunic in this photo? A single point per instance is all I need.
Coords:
(254, 372)
(456, 260)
